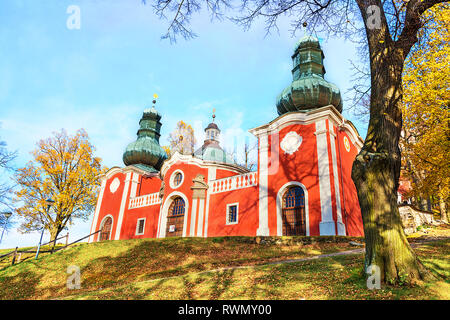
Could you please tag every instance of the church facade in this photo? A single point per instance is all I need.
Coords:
(302, 185)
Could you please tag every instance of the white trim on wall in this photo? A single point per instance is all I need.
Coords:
(97, 210)
(101, 227)
(337, 192)
(137, 227)
(122, 204)
(263, 229)
(212, 171)
(172, 179)
(280, 203)
(163, 221)
(237, 213)
(327, 225)
(193, 217)
(134, 185)
(201, 210)
(308, 117)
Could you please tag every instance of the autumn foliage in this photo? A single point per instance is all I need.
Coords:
(426, 113)
(65, 170)
(181, 139)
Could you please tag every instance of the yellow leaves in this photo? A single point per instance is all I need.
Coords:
(425, 108)
(182, 139)
(65, 170)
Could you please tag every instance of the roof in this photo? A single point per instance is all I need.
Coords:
(212, 125)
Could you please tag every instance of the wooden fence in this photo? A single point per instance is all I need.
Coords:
(17, 254)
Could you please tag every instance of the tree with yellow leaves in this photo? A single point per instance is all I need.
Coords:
(65, 170)
(426, 113)
(181, 139)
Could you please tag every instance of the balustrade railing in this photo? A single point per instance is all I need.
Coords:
(235, 182)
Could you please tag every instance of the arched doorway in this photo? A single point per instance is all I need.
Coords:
(175, 218)
(106, 228)
(293, 212)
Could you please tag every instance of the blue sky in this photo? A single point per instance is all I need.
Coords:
(102, 76)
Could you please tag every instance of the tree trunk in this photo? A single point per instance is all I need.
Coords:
(443, 208)
(54, 232)
(376, 170)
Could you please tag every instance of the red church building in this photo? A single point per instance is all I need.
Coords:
(302, 185)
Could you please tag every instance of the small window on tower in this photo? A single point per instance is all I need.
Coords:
(232, 213)
(140, 226)
(177, 179)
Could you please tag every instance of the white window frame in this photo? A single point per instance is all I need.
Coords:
(137, 227)
(172, 179)
(228, 211)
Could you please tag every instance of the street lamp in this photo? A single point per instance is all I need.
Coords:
(49, 202)
(7, 214)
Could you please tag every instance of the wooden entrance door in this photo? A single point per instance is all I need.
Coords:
(106, 229)
(294, 212)
(175, 218)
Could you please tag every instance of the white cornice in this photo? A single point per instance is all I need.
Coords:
(309, 117)
(189, 159)
(114, 170)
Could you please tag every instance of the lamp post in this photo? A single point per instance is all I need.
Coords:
(7, 214)
(49, 202)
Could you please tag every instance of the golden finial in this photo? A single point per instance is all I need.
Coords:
(214, 114)
(155, 96)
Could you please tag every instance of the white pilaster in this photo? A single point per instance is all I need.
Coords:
(201, 208)
(193, 217)
(122, 205)
(134, 185)
(97, 210)
(211, 176)
(340, 224)
(263, 229)
(326, 226)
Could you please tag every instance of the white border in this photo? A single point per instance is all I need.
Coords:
(165, 209)
(328, 112)
(128, 178)
(237, 214)
(101, 227)
(172, 179)
(280, 202)
(137, 227)
(178, 157)
(327, 224)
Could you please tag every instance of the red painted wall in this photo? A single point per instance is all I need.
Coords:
(301, 166)
(351, 212)
(110, 204)
(247, 213)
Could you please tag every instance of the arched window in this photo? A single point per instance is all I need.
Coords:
(175, 218)
(294, 212)
(106, 229)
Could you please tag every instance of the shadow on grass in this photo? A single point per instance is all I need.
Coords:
(19, 287)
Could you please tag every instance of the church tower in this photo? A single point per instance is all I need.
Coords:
(211, 149)
(146, 153)
(305, 156)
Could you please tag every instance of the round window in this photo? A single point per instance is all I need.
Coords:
(176, 179)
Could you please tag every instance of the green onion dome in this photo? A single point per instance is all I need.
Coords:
(309, 90)
(145, 151)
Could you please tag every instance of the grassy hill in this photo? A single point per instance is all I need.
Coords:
(198, 268)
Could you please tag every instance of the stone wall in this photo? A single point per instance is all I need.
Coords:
(412, 218)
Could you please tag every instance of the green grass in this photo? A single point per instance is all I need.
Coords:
(182, 268)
